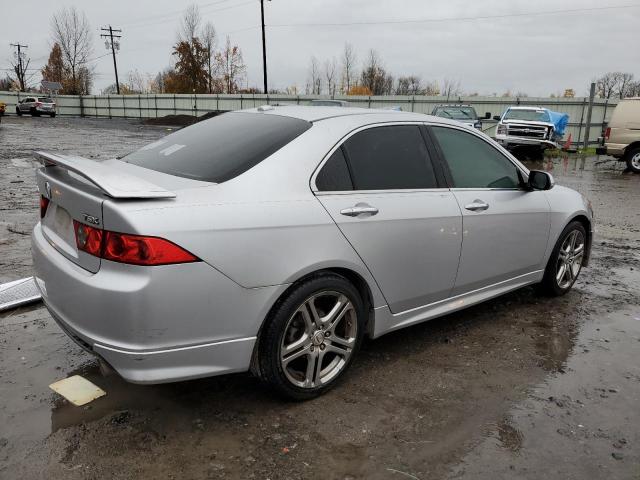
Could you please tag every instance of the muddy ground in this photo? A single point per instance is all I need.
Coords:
(521, 387)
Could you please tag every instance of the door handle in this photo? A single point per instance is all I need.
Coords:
(359, 209)
(477, 206)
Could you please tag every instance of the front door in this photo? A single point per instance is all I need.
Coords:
(506, 228)
(381, 189)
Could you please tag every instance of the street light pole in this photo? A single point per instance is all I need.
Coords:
(264, 49)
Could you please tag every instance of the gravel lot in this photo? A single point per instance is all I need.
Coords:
(520, 387)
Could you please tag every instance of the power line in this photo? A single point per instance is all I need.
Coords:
(169, 17)
(451, 19)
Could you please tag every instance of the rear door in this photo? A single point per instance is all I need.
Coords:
(383, 192)
(506, 228)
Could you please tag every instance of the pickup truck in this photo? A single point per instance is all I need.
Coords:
(533, 127)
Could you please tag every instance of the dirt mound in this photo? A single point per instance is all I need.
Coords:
(179, 120)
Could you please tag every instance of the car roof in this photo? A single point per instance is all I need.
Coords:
(316, 114)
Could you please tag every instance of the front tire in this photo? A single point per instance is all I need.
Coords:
(633, 160)
(311, 337)
(565, 262)
(18, 112)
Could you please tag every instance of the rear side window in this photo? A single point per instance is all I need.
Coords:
(334, 175)
(221, 148)
(473, 162)
(392, 157)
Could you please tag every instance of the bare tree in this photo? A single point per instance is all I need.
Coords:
(606, 84)
(410, 85)
(231, 66)
(330, 75)
(633, 90)
(431, 89)
(136, 82)
(190, 24)
(624, 80)
(72, 32)
(451, 88)
(315, 82)
(209, 40)
(348, 68)
(375, 77)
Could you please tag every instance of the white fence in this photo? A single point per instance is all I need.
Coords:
(153, 106)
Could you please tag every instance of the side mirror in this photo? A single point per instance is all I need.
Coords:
(497, 117)
(539, 180)
(487, 115)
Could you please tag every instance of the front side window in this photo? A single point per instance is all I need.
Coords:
(390, 157)
(473, 162)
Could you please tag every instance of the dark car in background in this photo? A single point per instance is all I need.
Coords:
(462, 113)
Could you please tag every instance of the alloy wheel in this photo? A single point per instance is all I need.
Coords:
(319, 339)
(635, 161)
(570, 259)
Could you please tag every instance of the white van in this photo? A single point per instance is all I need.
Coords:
(622, 137)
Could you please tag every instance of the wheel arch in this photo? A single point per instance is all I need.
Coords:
(586, 223)
(631, 146)
(352, 276)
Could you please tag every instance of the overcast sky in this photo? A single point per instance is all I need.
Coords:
(502, 50)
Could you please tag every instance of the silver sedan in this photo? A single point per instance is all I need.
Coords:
(275, 239)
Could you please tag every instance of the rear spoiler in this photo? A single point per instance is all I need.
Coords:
(113, 182)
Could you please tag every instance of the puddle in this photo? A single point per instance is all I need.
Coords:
(581, 424)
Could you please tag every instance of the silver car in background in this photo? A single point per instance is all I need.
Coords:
(36, 106)
(275, 239)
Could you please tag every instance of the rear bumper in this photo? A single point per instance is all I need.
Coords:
(153, 324)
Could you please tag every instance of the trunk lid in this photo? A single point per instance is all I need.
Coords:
(76, 188)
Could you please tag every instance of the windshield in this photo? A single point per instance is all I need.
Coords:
(221, 148)
(456, 113)
(527, 115)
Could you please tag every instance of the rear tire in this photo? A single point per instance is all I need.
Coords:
(52, 115)
(18, 112)
(34, 112)
(565, 262)
(311, 337)
(633, 160)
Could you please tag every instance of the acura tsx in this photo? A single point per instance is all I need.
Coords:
(275, 239)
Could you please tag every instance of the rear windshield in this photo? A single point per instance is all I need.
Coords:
(456, 113)
(527, 115)
(221, 148)
(45, 100)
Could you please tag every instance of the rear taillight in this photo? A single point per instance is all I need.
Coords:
(607, 133)
(88, 239)
(44, 203)
(131, 249)
(38, 104)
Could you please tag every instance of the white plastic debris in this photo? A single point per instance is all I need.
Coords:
(78, 390)
(17, 293)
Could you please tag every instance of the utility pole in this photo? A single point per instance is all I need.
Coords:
(264, 49)
(19, 69)
(114, 45)
(587, 128)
